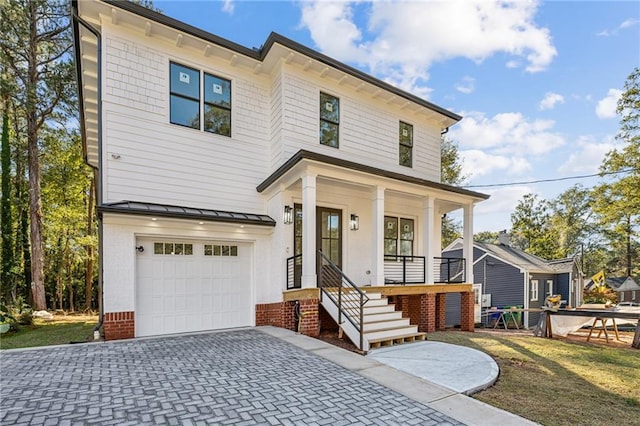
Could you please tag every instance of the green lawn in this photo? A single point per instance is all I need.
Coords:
(62, 329)
(556, 382)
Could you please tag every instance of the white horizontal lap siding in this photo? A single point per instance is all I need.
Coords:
(369, 128)
(146, 158)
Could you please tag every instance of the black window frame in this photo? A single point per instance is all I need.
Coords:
(328, 121)
(398, 235)
(216, 105)
(405, 143)
(174, 92)
(201, 100)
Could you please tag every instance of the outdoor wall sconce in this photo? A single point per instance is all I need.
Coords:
(140, 249)
(354, 223)
(287, 217)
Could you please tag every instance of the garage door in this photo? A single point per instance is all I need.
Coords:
(185, 286)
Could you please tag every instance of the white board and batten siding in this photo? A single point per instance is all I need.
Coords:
(146, 158)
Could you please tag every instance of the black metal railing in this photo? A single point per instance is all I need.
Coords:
(404, 270)
(449, 270)
(294, 272)
(348, 298)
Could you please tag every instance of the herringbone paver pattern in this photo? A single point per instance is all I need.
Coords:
(230, 378)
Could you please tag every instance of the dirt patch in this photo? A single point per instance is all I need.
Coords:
(331, 337)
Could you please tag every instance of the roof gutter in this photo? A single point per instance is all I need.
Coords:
(77, 21)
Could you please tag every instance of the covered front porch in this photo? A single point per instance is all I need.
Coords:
(379, 228)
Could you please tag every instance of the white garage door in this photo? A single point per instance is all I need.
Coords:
(185, 286)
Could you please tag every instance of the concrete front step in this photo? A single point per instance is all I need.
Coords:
(390, 333)
(386, 324)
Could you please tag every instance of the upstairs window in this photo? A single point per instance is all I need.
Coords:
(329, 120)
(406, 144)
(186, 105)
(398, 236)
(185, 96)
(217, 105)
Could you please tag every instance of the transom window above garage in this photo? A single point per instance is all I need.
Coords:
(190, 100)
(175, 249)
(220, 250)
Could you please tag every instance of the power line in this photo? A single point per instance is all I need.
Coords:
(550, 180)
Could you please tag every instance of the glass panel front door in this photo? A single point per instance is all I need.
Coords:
(329, 234)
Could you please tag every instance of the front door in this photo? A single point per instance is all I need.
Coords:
(328, 237)
(329, 233)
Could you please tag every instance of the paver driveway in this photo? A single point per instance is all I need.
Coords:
(236, 377)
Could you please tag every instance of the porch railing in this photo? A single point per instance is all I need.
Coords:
(348, 298)
(294, 272)
(404, 270)
(449, 270)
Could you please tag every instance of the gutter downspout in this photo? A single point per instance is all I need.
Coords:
(77, 21)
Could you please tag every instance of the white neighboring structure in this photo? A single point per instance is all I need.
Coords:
(207, 154)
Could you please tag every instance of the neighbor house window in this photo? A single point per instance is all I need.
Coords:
(217, 105)
(329, 120)
(185, 96)
(406, 144)
(534, 289)
(186, 105)
(398, 236)
(549, 287)
(633, 295)
(621, 296)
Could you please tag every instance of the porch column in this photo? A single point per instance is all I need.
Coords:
(430, 238)
(377, 223)
(309, 279)
(467, 248)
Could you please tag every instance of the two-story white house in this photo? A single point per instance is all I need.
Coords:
(223, 171)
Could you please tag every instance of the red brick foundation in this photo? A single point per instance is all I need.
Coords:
(118, 325)
(427, 313)
(467, 322)
(281, 314)
(441, 311)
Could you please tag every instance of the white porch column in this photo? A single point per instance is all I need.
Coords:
(467, 235)
(377, 234)
(309, 279)
(430, 238)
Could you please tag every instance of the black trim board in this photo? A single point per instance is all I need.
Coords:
(260, 54)
(177, 212)
(321, 158)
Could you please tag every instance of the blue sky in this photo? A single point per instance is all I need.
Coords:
(536, 82)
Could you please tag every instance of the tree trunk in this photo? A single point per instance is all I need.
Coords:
(35, 202)
(88, 278)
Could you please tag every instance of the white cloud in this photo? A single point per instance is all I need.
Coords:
(606, 107)
(228, 6)
(550, 100)
(587, 155)
(627, 23)
(506, 134)
(476, 163)
(467, 85)
(401, 40)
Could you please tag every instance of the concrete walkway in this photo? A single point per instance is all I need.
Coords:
(461, 369)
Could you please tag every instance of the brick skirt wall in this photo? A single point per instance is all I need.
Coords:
(282, 314)
(119, 325)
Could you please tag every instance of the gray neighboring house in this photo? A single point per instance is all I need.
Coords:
(506, 276)
(628, 290)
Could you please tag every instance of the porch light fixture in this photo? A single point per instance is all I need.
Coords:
(287, 217)
(354, 223)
